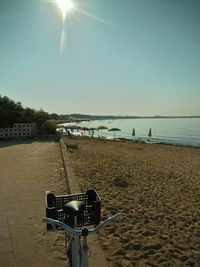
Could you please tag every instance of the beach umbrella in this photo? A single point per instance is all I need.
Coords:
(85, 129)
(150, 133)
(92, 131)
(101, 127)
(73, 127)
(133, 132)
(114, 130)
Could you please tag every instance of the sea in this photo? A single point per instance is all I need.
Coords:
(178, 131)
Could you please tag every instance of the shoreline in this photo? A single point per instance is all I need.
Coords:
(178, 132)
(137, 141)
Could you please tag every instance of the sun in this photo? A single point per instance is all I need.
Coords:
(64, 6)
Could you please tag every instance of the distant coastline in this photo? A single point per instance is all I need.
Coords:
(82, 117)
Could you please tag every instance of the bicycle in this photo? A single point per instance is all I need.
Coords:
(72, 213)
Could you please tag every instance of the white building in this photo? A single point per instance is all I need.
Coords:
(19, 130)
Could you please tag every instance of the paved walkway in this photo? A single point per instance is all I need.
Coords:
(27, 170)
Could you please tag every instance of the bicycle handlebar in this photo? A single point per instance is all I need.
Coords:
(80, 231)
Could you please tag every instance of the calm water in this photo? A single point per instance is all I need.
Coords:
(176, 131)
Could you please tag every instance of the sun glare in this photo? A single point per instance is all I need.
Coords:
(64, 6)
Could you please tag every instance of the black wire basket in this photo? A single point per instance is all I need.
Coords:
(89, 216)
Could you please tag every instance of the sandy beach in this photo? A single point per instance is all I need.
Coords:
(156, 188)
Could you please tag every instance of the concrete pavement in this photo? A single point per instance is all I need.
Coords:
(27, 170)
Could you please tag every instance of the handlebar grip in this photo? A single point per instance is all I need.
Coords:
(62, 225)
(80, 231)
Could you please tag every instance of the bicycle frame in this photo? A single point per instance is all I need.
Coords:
(79, 255)
(76, 247)
(80, 252)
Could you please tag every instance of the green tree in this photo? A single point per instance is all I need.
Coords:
(54, 116)
(29, 115)
(41, 118)
(12, 112)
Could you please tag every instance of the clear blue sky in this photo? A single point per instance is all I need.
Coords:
(144, 60)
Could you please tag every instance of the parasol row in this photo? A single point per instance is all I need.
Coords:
(101, 128)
